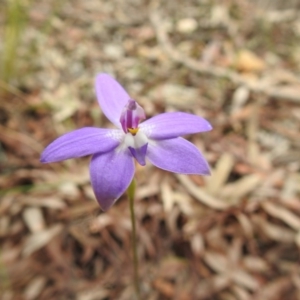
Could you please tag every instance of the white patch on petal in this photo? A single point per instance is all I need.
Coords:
(140, 139)
(117, 135)
(135, 141)
(129, 140)
(152, 142)
(147, 129)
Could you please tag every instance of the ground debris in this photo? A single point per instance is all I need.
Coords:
(233, 235)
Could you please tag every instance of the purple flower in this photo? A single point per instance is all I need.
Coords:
(157, 139)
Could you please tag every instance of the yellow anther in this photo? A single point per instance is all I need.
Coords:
(133, 131)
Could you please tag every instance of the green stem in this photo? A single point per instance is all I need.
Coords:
(131, 193)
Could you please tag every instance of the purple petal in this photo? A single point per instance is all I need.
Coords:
(81, 142)
(111, 174)
(178, 156)
(139, 154)
(111, 97)
(171, 125)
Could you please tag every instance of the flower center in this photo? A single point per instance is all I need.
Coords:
(135, 140)
(131, 116)
(133, 131)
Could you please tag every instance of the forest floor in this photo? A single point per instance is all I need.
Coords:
(232, 235)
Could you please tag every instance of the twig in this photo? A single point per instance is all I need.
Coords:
(174, 54)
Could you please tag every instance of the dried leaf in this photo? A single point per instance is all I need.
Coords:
(167, 196)
(283, 214)
(186, 25)
(274, 232)
(245, 279)
(248, 61)
(274, 289)
(200, 194)
(255, 264)
(34, 219)
(220, 174)
(93, 294)
(241, 293)
(40, 239)
(211, 286)
(197, 244)
(237, 190)
(216, 261)
(35, 287)
(164, 287)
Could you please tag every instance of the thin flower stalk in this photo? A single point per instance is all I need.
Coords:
(131, 194)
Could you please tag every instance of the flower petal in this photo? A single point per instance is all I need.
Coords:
(174, 124)
(82, 142)
(111, 97)
(139, 154)
(178, 156)
(111, 174)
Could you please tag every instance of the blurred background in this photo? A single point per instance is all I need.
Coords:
(233, 235)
